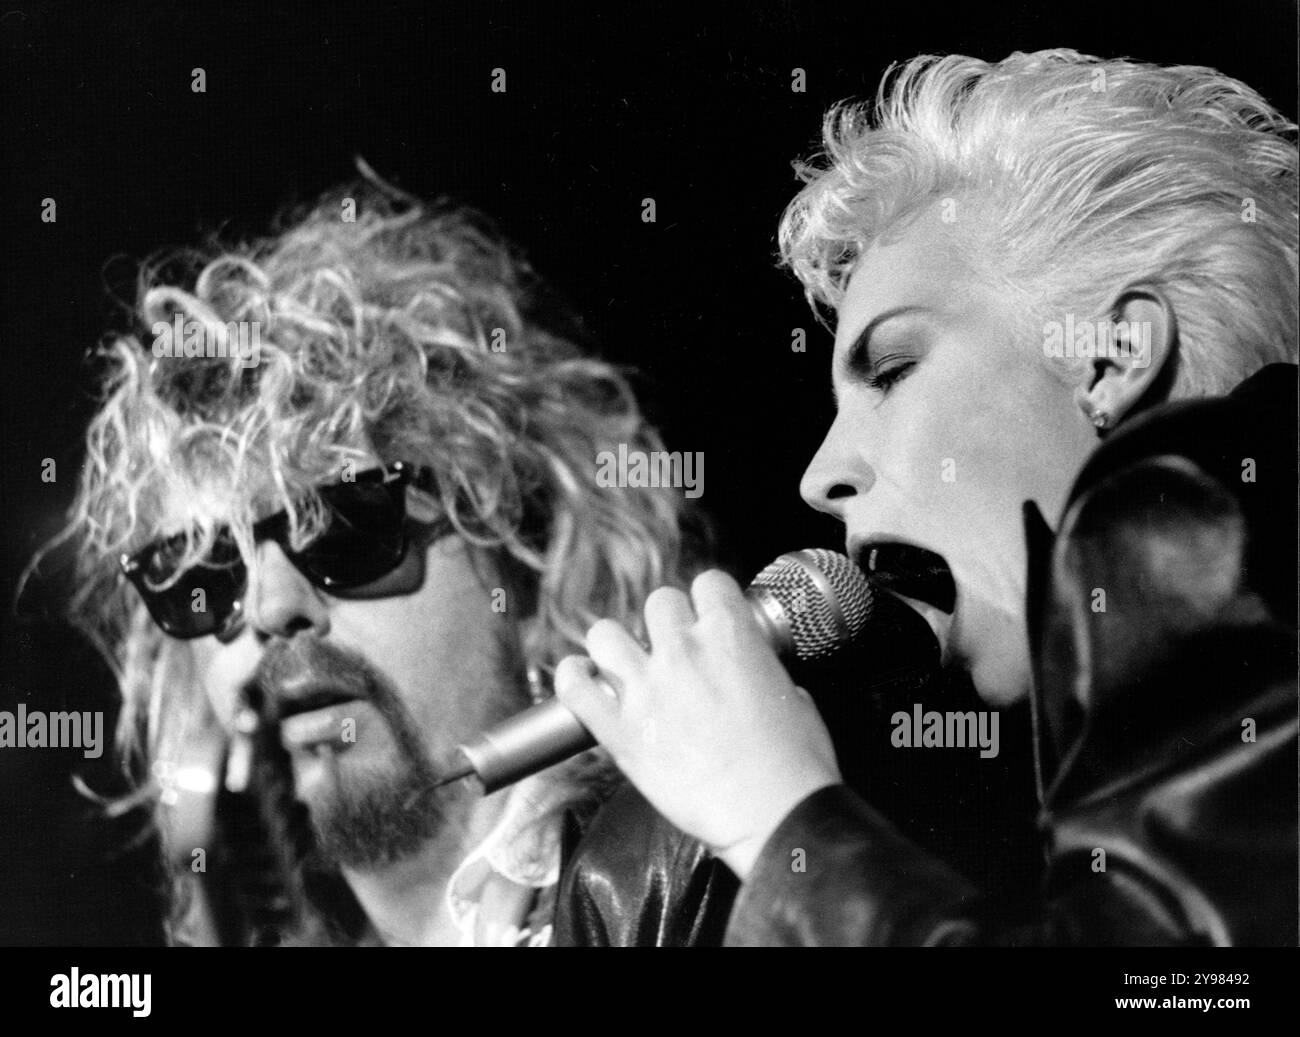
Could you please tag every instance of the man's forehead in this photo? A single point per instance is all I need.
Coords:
(214, 500)
(221, 497)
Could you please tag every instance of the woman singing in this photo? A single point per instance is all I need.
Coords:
(1063, 295)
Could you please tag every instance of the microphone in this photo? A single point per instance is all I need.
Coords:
(235, 800)
(809, 604)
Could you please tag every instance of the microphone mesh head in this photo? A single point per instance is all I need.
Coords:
(826, 599)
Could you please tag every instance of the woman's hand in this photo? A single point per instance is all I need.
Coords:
(707, 724)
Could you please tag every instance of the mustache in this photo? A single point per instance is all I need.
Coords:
(304, 660)
(307, 659)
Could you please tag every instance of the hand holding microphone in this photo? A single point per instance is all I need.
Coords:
(706, 722)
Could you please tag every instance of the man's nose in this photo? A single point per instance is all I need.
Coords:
(838, 471)
(281, 601)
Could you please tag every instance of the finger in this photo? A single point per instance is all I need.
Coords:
(668, 612)
(714, 591)
(587, 697)
(614, 650)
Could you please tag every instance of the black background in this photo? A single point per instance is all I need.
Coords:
(690, 105)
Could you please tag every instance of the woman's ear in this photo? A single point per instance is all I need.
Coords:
(1133, 355)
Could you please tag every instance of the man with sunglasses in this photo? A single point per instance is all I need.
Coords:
(376, 543)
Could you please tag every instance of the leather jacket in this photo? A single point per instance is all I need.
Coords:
(1165, 726)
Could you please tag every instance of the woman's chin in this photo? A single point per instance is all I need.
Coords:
(991, 645)
(1001, 675)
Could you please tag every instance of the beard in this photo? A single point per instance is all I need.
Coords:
(372, 815)
(377, 818)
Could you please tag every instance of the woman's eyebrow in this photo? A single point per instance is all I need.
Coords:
(857, 358)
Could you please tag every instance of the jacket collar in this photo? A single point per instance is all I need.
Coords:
(1234, 440)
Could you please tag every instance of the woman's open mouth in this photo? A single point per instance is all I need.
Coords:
(908, 571)
(916, 576)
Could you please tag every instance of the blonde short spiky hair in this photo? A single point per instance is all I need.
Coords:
(408, 332)
(1082, 176)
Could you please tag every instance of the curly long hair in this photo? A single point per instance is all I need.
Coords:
(389, 328)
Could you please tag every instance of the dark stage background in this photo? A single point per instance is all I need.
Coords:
(691, 106)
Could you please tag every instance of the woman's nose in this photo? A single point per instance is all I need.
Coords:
(838, 472)
(281, 601)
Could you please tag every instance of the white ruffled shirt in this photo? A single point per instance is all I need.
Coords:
(502, 893)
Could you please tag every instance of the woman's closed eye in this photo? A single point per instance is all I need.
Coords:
(889, 371)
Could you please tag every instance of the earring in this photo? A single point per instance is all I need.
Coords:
(536, 687)
(1099, 417)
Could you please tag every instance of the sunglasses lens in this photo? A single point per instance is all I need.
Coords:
(203, 598)
(366, 537)
(365, 541)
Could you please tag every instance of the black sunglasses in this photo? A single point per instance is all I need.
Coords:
(364, 540)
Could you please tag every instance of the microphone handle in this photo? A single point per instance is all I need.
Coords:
(537, 738)
(548, 733)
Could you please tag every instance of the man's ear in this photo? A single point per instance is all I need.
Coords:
(1132, 358)
(422, 506)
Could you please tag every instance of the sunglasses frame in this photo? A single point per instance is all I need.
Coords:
(275, 527)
